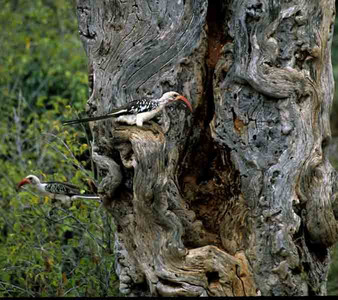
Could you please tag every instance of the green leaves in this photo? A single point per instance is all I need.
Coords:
(46, 248)
(332, 285)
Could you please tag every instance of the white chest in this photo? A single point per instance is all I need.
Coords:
(138, 119)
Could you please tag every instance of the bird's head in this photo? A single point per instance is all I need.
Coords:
(174, 96)
(30, 179)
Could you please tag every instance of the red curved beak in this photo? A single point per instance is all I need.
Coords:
(185, 100)
(23, 182)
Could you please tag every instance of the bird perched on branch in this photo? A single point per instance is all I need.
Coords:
(137, 111)
(56, 190)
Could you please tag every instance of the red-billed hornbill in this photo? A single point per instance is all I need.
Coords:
(56, 190)
(137, 111)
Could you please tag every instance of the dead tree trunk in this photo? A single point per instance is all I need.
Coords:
(238, 198)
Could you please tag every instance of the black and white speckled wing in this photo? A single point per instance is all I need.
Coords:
(131, 108)
(62, 188)
(135, 107)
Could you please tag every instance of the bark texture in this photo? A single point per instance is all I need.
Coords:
(238, 198)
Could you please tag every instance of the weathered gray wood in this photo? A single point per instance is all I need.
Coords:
(272, 112)
(239, 197)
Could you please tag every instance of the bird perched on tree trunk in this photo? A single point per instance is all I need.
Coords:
(137, 111)
(56, 190)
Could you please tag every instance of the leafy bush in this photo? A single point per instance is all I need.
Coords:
(332, 285)
(47, 249)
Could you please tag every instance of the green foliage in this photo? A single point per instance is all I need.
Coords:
(332, 285)
(45, 58)
(47, 249)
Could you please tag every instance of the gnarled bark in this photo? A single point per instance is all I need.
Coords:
(237, 198)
